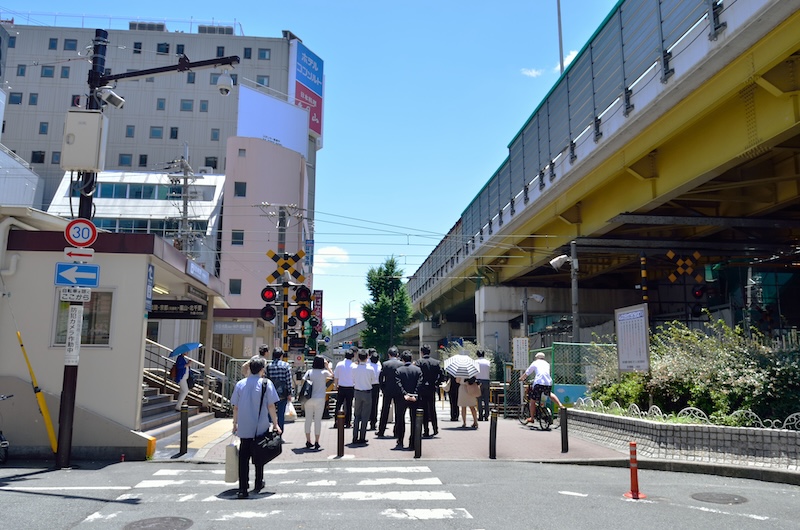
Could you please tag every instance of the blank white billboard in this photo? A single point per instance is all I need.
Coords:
(273, 120)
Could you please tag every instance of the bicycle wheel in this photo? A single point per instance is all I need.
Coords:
(545, 418)
(524, 411)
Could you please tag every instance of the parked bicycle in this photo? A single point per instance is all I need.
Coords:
(541, 413)
(3, 442)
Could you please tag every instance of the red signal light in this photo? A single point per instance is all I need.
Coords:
(268, 313)
(269, 294)
(302, 294)
(303, 313)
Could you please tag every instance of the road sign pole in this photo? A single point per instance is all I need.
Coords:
(66, 410)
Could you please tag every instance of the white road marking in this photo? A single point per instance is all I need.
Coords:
(370, 495)
(62, 488)
(714, 510)
(248, 515)
(423, 514)
(402, 481)
(322, 483)
(574, 494)
(97, 516)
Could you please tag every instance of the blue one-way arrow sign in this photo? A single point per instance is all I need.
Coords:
(77, 274)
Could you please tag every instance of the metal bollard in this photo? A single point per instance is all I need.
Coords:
(418, 434)
(340, 434)
(184, 428)
(562, 414)
(493, 435)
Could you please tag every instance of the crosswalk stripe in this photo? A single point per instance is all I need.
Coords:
(321, 470)
(400, 481)
(410, 495)
(427, 514)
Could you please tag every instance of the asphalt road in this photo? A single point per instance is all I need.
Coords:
(360, 494)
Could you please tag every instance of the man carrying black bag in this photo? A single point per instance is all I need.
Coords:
(254, 413)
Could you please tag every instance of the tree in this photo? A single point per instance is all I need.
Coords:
(389, 312)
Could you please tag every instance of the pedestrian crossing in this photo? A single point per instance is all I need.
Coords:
(325, 493)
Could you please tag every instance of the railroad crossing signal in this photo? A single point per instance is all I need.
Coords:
(269, 294)
(285, 263)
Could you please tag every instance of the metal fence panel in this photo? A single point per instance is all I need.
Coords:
(607, 65)
(581, 107)
(558, 119)
(493, 196)
(517, 165)
(641, 44)
(533, 160)
(678, 16)
(504, 183)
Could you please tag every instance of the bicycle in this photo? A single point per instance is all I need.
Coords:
(3, 442)
(542, 413)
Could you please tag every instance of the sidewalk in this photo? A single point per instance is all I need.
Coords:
(514, 442)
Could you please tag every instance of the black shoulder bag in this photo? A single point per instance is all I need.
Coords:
(269, 444)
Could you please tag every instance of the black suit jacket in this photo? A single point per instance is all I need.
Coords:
(387, 377)
(431, 372)
(409, 379)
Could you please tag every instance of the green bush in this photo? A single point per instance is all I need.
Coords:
(717, 369)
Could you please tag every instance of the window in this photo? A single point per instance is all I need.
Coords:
(179, 49)
(65, 72)
(211, 161)
(21, 70)
(190, 78)
(137, 48)
(96, 328)
(156, 133)
(43, 126)
(248, 53)
(15, 98)
(262, 80)
(173, 133)
(130, 131)
(235, 286)
(187, 105)
(52, 44)
(48, 71)
(215, 135)
(203, 105)
(220, 51)
(242, 153)
(55, 157)
(162, 48)
(111, 190)
(240, 189)
(12, 41)
(76, 100)
(152, 330)
(263, 54)
(125, 160)
(235, 79)
(135, 226)
(237, 237)
(70, 45)
(33, 99)
(214, 78)
(37, 157)
(149, 79)
(141, 191)
(142, 160)
(161, 104)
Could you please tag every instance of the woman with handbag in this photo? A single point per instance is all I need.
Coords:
(314, 406)
(254, 414)
(468, 392)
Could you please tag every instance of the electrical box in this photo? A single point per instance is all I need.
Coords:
(84, 146)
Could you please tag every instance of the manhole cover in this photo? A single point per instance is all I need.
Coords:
(719, 498)
(160, 523)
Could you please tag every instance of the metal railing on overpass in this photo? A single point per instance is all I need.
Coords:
(636, 37)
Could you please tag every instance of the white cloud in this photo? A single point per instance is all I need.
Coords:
(568, 59)
(531, 72)
(329, 258)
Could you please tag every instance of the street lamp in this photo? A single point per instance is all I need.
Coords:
(349, 304)
(556, 263)
(536, 298)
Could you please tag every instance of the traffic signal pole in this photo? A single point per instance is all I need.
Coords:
(285, 330)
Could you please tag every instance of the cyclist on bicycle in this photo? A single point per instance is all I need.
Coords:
(542, 383)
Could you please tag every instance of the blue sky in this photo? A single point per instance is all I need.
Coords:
(421, 101)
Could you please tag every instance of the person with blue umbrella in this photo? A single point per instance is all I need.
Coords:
(182, 369)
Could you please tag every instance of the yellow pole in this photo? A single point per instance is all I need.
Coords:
(48, 423)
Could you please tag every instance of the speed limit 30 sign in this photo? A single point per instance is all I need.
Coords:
(80, 233)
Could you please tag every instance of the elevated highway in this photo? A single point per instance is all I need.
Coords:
(669, 153)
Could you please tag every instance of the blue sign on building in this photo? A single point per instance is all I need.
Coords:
(77, 274)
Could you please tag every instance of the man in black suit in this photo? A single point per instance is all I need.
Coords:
(409, 381)
(431, 377)
(388, 385)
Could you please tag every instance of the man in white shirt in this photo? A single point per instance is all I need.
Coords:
(363, 379)
(375, 364)
(542, 382)
(343, 383)
(484, 368)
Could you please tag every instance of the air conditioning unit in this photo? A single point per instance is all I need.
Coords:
(207, 170)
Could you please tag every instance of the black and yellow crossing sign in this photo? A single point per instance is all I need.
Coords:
(685, 265)
(285, 263)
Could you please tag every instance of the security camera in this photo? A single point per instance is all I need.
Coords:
(225, 84)
(110, 97)
(559, 261)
